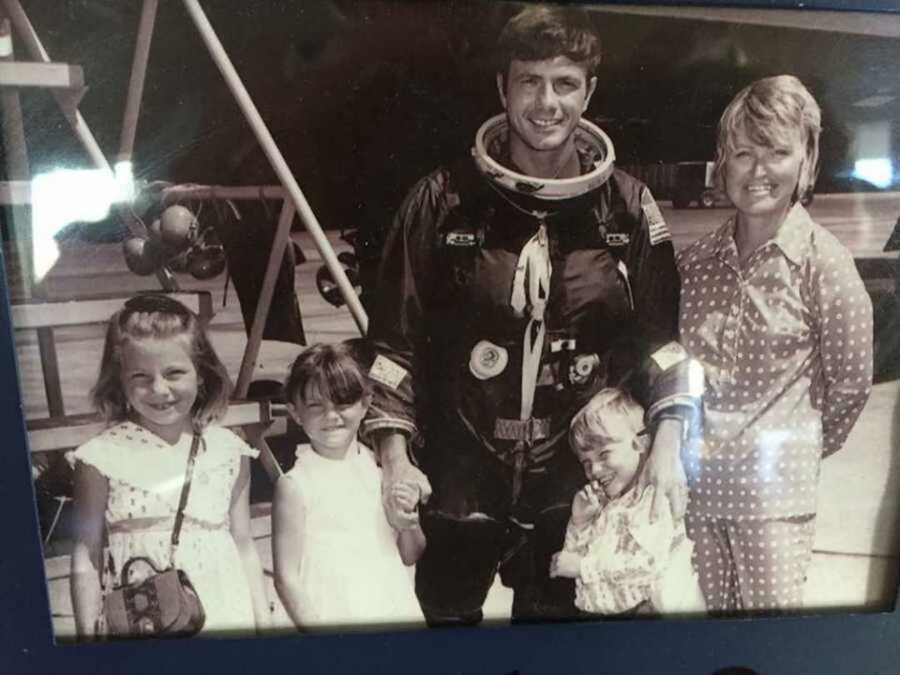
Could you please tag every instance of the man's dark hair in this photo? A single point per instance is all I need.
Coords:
(544, 32)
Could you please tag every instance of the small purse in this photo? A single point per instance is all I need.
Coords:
(164, 604)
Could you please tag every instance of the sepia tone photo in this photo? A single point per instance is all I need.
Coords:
(386, 315)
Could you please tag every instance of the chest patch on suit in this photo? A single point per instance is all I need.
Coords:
(387, 372)
(669, 355)
(659, 231)
(487, 360)
(460, 239)
(617, 239)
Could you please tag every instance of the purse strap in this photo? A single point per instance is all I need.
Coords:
(185, 490)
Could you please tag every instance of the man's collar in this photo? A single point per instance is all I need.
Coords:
(587, 157)
(491, 138)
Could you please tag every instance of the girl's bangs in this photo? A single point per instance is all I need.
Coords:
(338, 384)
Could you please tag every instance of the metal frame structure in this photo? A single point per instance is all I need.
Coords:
(17, 191)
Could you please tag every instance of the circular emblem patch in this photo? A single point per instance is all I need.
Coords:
(487, 360)
(582, 368)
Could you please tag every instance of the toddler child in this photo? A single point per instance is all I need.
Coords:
(622, 562)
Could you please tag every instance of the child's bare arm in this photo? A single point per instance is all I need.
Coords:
(288, 522)
(410, 540)
(91, 492)
(243, 539)
(411, 543)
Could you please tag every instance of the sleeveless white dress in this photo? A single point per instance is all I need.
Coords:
(145, 477)
(351, 574)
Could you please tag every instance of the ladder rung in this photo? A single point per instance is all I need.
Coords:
(44, 75)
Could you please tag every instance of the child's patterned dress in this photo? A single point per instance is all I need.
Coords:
(145, 477)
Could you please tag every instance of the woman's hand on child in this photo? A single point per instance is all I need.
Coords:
(565, 564)
(665, 472)
(586, 505)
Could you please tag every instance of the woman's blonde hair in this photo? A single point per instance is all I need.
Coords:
(766, 111)
(153, 315)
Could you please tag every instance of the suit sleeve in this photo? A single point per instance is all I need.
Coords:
(397, 330)
(669, 381)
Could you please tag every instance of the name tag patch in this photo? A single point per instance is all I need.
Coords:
(386, 372)
(460, 239)
(618, 239)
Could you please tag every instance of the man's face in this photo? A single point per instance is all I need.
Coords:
(544, 101)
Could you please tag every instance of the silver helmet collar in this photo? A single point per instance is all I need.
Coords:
(589, 138)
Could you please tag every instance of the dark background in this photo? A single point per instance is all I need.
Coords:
(363, 98)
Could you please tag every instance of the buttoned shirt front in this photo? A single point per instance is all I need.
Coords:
(786, 346)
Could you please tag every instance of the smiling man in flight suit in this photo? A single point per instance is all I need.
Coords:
(515, 283)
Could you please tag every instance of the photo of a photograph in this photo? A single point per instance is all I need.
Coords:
(382, 315)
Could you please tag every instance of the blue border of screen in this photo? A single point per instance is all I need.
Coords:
(836, 643)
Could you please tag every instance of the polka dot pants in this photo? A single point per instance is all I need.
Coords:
(751, 566)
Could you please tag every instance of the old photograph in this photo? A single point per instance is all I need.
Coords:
(388, 315)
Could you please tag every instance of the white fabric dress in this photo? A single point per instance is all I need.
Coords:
(145, 477)
(350, 571)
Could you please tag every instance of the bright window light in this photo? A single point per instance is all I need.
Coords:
(879, 171)
(66, 196)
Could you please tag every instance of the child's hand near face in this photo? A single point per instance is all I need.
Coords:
(565, 564)
(587, 504)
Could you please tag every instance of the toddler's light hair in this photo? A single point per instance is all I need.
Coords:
(603, 418)
(767, 110)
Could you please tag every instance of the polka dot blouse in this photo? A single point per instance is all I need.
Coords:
(786, 345)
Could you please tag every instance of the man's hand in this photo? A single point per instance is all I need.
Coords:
(565, 564)
(404, 496)
(665, 472)
(587, 504)
(403, 486)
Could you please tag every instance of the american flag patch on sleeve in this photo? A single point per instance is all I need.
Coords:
(659, 231)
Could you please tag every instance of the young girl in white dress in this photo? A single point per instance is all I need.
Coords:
(160, 383)
(338, 562)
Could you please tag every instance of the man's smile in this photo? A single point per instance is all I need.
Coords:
(544, 123)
